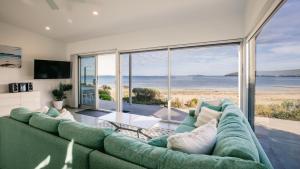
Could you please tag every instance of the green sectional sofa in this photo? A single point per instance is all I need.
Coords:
(28, 140)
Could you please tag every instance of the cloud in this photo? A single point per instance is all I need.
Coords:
(287, 49)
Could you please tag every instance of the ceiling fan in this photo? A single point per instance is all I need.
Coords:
(53, 5)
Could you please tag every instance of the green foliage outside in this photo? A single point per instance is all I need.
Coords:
(192, 103)
(176, 103)
(59, 94)
(104, 93)
(288, 110)
(146, 96)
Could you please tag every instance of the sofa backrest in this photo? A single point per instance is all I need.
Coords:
(143, 154)
(235, 123)
(88, 136)
(26, 147)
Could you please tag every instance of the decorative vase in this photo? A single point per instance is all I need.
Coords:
(58, 104)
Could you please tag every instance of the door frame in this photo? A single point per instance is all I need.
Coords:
(96, 54)
(79, 81)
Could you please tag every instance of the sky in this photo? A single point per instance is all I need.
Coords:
(278, 48)
(278, 45)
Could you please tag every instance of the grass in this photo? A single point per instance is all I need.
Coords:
(288, 110)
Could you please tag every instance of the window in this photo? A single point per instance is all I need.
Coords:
(167, 83)
(107, 81)
(145, 83)
(278, 65)
(277, 98)
(209, 73)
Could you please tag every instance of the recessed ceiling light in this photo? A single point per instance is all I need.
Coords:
(47, 28)
(70, 21)
(95, 13)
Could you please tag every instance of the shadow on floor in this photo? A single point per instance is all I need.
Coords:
(282, 147)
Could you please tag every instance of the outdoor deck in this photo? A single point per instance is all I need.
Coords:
(280, 140)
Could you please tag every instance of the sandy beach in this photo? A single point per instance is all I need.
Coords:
(263, 96)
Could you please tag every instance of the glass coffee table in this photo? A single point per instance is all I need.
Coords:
(123, 121)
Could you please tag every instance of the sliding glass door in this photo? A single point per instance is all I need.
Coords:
(106, 72)
(97, 76)
(87, 81)
(145, 83)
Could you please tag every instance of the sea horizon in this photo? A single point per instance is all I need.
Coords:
(196, 81)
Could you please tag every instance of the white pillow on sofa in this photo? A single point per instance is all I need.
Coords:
(206, 115)
(65, 114)
(199, 141)
(199, 104)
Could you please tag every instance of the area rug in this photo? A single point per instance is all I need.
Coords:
(93, 113)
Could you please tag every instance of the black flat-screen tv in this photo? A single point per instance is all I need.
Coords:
(49, 69)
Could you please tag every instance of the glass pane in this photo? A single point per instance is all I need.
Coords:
(209, 73)
(277, 100)
(145, 85)
(87, 81)
(107, 81)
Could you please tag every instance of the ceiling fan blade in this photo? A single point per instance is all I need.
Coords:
(52, 4)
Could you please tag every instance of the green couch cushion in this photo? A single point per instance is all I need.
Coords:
(210, 106)
(133, 150)
(160, 141)
(53, 112)
(225, 103)
(189, 121)
(82, 134)
(44, 122)
(99, 160)
(21, 114)
(25, 147)
(184, 128)
(234, 139)
(178, 160)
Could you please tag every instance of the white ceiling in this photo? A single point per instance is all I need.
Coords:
(115, 16)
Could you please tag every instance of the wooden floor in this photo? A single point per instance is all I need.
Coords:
(280, 140)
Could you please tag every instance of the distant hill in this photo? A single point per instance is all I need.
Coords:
(279, 73)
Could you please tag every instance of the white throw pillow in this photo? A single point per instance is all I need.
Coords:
(65, 114)
(206, 115)
(199, 141)
(198, 107)
(43, 110)
(212, 102)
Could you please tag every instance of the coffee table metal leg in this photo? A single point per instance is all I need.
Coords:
(116, 126)
(138, 131)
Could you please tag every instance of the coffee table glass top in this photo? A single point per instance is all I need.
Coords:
(139, 121)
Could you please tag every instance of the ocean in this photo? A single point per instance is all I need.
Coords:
(197, 82)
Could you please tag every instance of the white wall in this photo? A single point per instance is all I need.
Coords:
(34, 46)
